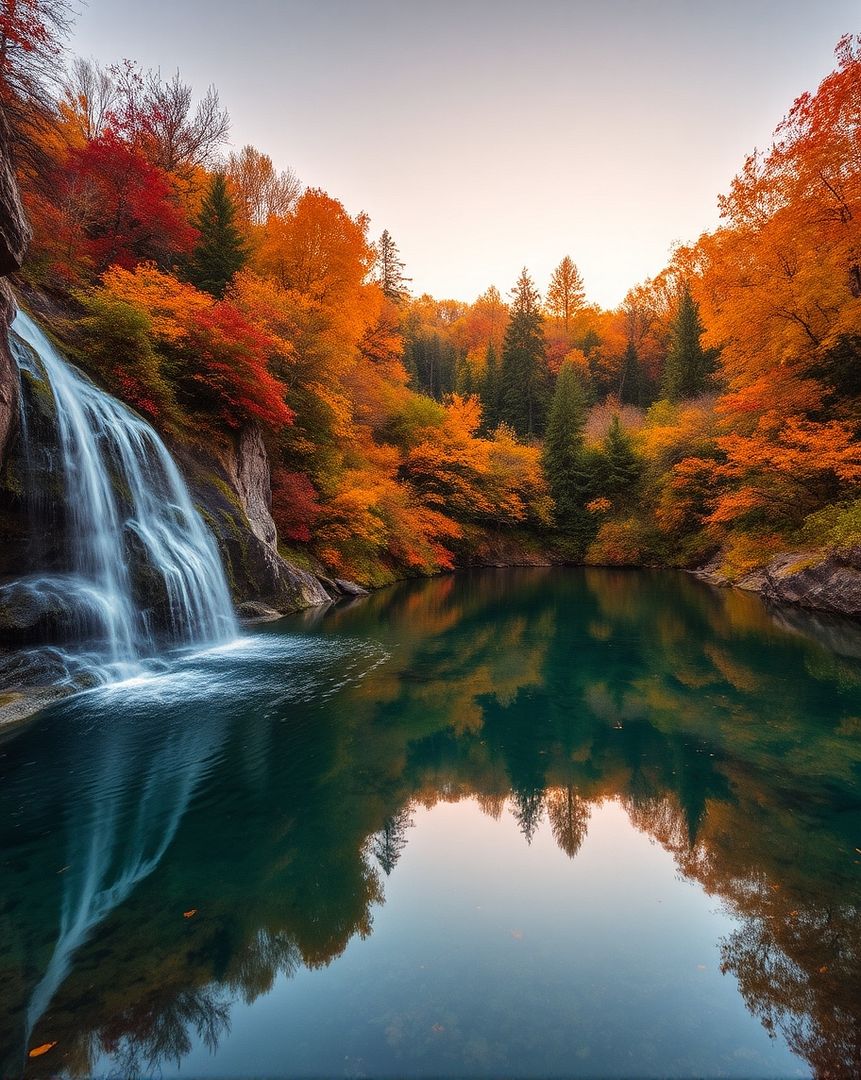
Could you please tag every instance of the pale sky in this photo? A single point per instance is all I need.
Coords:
(491, 135)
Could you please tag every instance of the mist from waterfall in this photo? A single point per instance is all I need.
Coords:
(139, 570)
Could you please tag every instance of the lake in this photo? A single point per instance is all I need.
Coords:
(525, 823)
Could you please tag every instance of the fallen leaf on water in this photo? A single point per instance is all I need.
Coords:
(37, 1051)
(190, 913)
(823, 969)
(775, 887)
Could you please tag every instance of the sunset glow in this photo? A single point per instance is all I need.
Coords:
(489, 135)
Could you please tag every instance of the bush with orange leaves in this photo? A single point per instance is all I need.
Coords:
(213, 359)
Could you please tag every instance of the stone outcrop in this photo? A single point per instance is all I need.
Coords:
(8, 373)
(14, 227)
(816, 580)
(832, 583)
(14, 238)
(234, 495)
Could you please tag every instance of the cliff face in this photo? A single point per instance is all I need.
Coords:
(14, 238)
(234, 495)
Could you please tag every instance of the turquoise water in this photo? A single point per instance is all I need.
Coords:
(510, 823)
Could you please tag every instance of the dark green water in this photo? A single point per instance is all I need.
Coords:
(511, 823)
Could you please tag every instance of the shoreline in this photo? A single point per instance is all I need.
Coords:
(825, 585)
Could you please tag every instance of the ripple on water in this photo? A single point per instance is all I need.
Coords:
(262, 671)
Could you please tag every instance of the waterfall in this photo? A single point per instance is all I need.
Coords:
(139, 569)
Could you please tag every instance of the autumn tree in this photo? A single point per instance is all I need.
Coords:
(32, 33)
(524, 388)
(221, 250)
(481, 324)
(261, 189)
(116, 208)
(317, 250)
(183, 346)
(390, 269)
(159, 116)
(565, 294)
(90, 97)
(430, 348)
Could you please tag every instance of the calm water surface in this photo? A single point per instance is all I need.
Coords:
(511, 823)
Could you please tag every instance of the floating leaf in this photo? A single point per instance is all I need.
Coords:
(37, 1051)
(190, 913)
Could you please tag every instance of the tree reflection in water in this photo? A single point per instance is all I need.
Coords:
(728, 732)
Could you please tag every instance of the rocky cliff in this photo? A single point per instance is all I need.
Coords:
(234, 494)
(14, 237)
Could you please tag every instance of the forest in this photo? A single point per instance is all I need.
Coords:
(714, 415)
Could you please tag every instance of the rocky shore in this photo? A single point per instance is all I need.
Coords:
(828, 582)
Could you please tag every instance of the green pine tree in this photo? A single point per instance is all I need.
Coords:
(464, 380)
(622, 467)
(632, 388)
(221, 250)
(688, 365)
(524, 385)
(568, 465)
(490, 390)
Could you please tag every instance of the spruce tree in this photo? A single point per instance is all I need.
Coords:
(524, 389)
(221, 250)
(390, 269)
(490, 390)
(567, 464)
(622, 467)
(632, 389)
(464, 380)
(688, 365)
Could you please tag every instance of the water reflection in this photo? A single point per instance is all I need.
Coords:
(272, 791)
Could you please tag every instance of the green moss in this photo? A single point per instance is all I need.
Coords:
(834, 526)
(298, 556)
(228, 493)
(39, 390)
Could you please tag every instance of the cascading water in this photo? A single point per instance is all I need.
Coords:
(139, 569)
